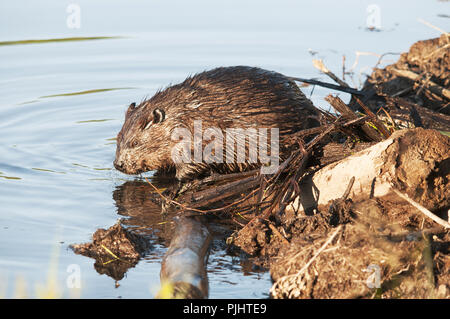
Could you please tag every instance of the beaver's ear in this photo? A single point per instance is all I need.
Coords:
(130, 108)
(158, 116)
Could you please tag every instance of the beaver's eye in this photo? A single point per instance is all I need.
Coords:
(134, 143)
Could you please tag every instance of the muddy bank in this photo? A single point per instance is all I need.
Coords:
(384, 234)
(367, 257)
(374, 224)
(421, 76)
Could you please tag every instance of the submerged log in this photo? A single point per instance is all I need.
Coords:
(415, 162)
(183, 270)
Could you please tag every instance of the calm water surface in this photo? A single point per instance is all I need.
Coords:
(62, 104)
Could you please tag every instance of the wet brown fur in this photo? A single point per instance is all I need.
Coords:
(226, 97)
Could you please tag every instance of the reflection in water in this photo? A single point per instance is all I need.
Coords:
(78, 93)
(120, 248)
(46, 170)
(137, 201)
(85, 92)
(8, 177)
(93, 121)
(55, 40)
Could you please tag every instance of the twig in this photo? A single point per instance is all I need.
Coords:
(349, 188)
(233, 203)
(112, 254)
(425, 211)
(434, 27)
(221, 177)
(285, 278)
(222, 191)
(379, 125)
(318, 64)
(348, 114)
(433, 87)
(358, 54)
(402, 91)
(329, 240)
(310, 131)
(276, 232)
(414, 235)
(382, 56)
(343, 67)
(173, 201)
(305, 267)
(329, 85)
(435, 51)
(357, 121)
(444, 107)
(283, 194)
(190, 208)
(388, 116)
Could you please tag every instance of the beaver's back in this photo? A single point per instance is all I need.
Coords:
(239, 96)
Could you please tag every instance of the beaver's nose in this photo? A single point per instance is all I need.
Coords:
(118, 165)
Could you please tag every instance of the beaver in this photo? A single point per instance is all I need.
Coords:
(221, 98)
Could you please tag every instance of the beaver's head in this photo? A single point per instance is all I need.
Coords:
(143, 143)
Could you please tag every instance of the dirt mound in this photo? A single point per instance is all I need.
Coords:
(365, 247)
(115, 250)
(368, 257)
(421, 76)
